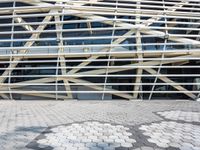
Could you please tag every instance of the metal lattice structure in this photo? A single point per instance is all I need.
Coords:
(99, 49)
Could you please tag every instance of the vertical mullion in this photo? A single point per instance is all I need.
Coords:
(138, 48)
(58, 57)
(11, 51)
(110, 49)
(163, 54)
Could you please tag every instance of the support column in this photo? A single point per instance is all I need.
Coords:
(139, 71)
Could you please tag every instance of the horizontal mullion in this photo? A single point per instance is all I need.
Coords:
(30, 7)
(103, 91)
(135, 15)
(82, 2)
(143, 1)
(76, 60)
(104, 53)
(99, 67)
(134, 10)
(98, 20)
(96, 45)
(142, 27)
(67, 30)
(60, 6)
(140, 11)
(103, 83)
(102, 75)
(99, 13)
(100, 60)
(94, 38)
(80, 38)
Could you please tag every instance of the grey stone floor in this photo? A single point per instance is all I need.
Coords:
(120, 125)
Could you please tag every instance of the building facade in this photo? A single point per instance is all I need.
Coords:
(99, 49)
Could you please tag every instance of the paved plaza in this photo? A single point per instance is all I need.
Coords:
(99, 125)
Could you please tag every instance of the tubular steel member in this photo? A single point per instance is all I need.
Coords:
(96, 49)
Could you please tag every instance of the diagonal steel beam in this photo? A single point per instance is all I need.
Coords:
(167, 80)
(27, 44)
(4, 96)
(42, 95)
(101, 71)
(26, 27)
(127, 96)
(62, 58)
(29, 28)
(149, 22)
(121, 24)
(176, 39)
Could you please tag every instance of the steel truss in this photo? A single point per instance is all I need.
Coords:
(132, 41)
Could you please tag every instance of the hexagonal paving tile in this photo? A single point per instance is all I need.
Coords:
(172, 134)
(88, 135)
(181, 115)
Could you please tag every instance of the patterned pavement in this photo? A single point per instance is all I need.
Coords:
(186, 116)
(172, 134)
(86, 136)
(100, 125)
